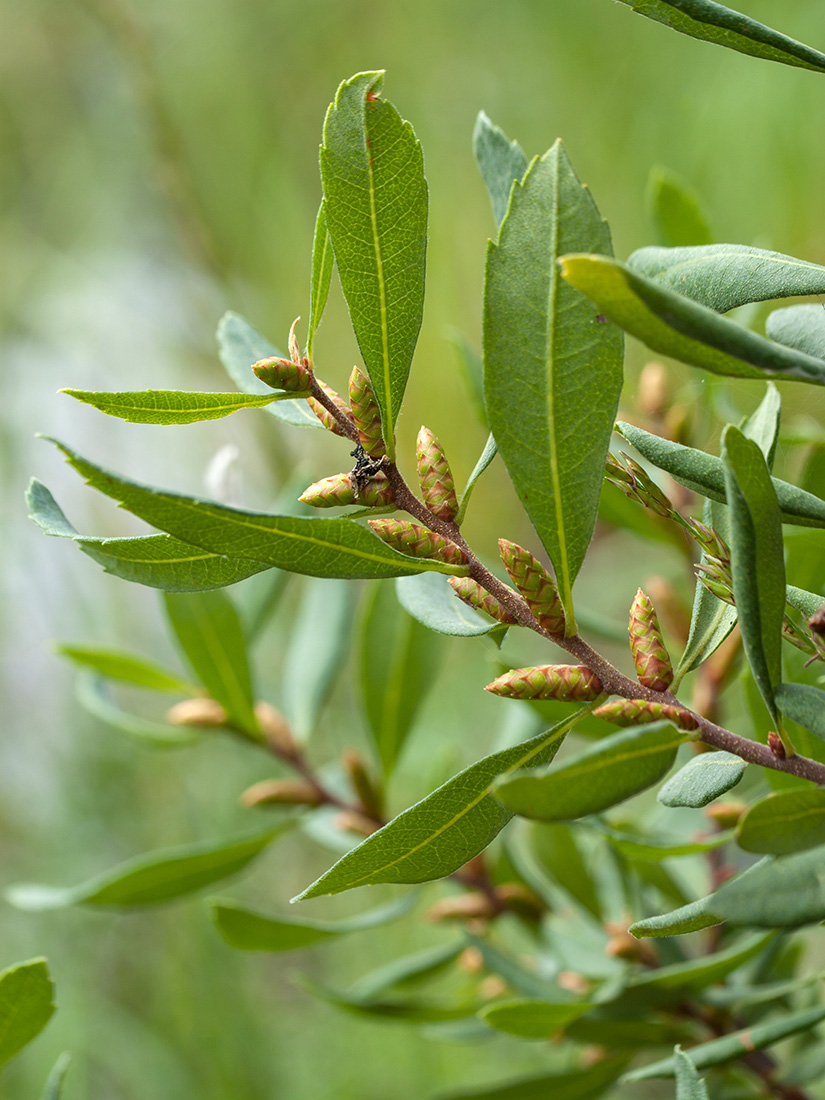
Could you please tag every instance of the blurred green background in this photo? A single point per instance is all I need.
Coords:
(158, 165)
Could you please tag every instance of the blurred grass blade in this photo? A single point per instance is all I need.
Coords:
(57, 1078)
(689, 1085)
(674, 325)
(151, 879)
(171, 406)
(431, 601)
(612, 770)
(128, 668)
(576, 1084)
(784, 823)
(322, 263)
(93, 695)
(319, 547)
(801, 327)
(703, 779)
(675, 210)
(724, 276)
(552, 370)
(757, 559)
(375, 202)
(532, 1019)
(803, 703)
(240, 346)
(487, 455)
(159, 561)
(500, 161)
(439, 834)
(776, 893)
(712, 22)
(26, 1005)
(210, 636)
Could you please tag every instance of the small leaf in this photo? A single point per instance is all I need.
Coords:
(211, 638)
(782, 824)
(650, 851)
(689, 1085)
(500, 162)
(702, 779)
(608, 772)
(239, 347)
(552, 370)
(431, 601)
(558, 852)
(159, 561)
(807, 603)
(804, 704)
(728, 1048)
(757, 559)
(687, 918)
(409, 970)
(487, 455)
(532, 1019)
(375, 202)
(799, 327)
(724, 276)
(151, 879)
(322, 263)
(57, 1078)
(93, 694)
(129, 668)
(711, 619)
(409, 1011)
(673, 325)
(712, 22)
(439, 834)
(576, 1084)
(776, 893)
(667, 983)
(675, 210)
(171, 406)
(249, 931)
(26, 1005)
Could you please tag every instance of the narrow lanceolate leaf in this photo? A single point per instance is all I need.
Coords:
(552, 369)
(675, 210)
(729, 1048)
(375, 202)
(240, 346)
(26, 1005)
(129, 668)
(671, 982)
(704, 474)
(322, 262)
(500, 161)
(653, 851)
(608, 772)
(784, 823)
(712, 22)
(170, 406)
(409, 1010)
(151, 879)
(211, 638)
(94, 695)
(776, 893)
(803, 703)
(159, 561)
(319, 547)
(448, 827)
(702, 779)
(800, 327)
(576, 1084)
(57, 1078)
(724, 276)
(673, 325)
(757, 560)
(431, 601)
(485, 458)
(250, 931)
(687, 918)
(532, 1019)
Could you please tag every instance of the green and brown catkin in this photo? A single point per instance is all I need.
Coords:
(535, 584)
(650, 656)
(283, 374)
(366, 414)
(472, 593)
(418, 542)
(571, 683)
(637, 712)
(326, 417)
(337, 491)
(435, 477)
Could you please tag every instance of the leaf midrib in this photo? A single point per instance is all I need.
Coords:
(382, 293)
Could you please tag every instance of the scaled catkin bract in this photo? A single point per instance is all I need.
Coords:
(650, 656)
(535, 584)
(435, 477)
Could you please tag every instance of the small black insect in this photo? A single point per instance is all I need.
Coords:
(365, 467)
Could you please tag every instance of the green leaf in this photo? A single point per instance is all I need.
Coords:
(615, 768)
(804, 704)
(159, 561)
(409, 970)
(431, 601)
(239, 347)
(26, 1005)
(675, 210)
(757, 559)
(398, 661)
(319, 547)
(673, 325)
(776, 893)
(57, 1078)
(500, 162)
(728, 1048)
(408, 1011)
(704, 474)
(151, 879)
(172, 406)
(800, 327)
(724, 276)
(552, 370)
(316, 652)
(439, 834)
(557, 850)
(93, 694)
(712, 22)
(702, 779)
(250, 931)
(322, 263)
(711, 619)
(375, 200)
(650, 851)
(808, 603)
(211, 639)
(687, 918)
(577, 1084)
(487, 455)
(689, 1085)
(129, 668)
(696, 974)
(532, 1019)
(782, 824)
